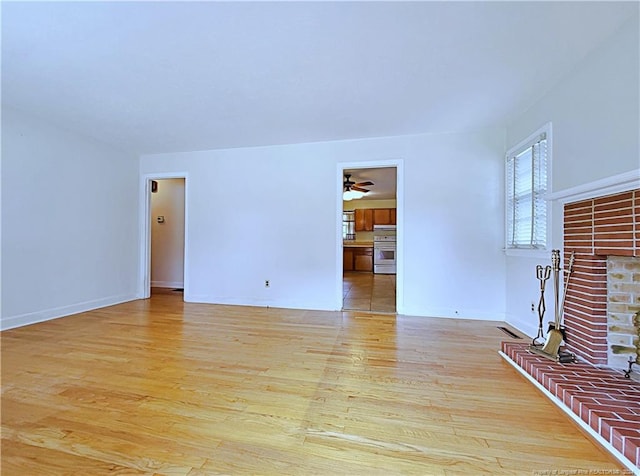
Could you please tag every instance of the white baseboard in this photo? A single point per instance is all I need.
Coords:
(448, 313)
(20, 320)
(167, 284)
(277, 303)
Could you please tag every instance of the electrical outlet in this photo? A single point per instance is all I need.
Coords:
(266, 283)
(533, 306)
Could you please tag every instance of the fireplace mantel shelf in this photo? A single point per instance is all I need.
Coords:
(607, 186)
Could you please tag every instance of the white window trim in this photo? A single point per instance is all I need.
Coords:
(530, 140)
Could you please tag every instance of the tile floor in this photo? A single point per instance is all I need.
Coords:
(369, 292)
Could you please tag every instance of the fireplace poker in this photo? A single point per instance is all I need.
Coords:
(543, 274)
(572, 259)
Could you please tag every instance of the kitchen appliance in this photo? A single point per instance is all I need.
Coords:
(384, 249)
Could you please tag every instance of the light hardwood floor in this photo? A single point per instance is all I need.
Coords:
(164, 387)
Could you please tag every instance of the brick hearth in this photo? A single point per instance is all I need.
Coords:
(602, 398)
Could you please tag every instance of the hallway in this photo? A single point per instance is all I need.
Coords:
(369, 292)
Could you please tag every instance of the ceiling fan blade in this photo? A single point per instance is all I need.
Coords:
(355, 187)
(364, 184)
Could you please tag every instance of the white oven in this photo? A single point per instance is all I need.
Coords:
(384, 249)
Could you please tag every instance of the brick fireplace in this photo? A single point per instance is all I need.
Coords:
(604, 290)
(601, 318)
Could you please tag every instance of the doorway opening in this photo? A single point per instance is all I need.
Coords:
(164, 235)
(167, 236)
(369, 238)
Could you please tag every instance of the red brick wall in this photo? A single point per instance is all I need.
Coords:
(595, 228)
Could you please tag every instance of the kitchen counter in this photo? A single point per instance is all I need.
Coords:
(357, 244)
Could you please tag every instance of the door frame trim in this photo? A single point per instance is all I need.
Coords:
(144, 267)
(369, 164)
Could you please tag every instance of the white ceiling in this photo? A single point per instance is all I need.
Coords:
(178, 76)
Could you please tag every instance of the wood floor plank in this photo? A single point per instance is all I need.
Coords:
(20, 458)
(160, 386)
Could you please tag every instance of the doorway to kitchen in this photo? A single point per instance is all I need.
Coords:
(369, 238)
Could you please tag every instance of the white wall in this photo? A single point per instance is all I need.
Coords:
(167, 238)
(595, 115)
(69, 222)
(249, 222)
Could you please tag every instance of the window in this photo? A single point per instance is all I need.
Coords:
(348, 225)
(526, 187)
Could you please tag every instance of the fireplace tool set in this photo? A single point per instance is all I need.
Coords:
(555, 333)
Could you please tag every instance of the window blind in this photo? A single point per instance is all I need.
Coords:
(526, 189)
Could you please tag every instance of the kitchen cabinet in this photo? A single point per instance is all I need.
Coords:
(367, 217)
(347, 259)
(357, 259)
(384, 216)
(364, 219)
(363, 260)
(381, 216)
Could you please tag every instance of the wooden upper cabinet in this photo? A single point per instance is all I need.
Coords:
(364, 219)
(367, 217)
(384, 216)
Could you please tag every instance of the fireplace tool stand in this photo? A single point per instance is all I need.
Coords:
(555, 334)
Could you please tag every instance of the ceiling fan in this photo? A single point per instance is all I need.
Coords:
(350, 185)
(354, 190)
